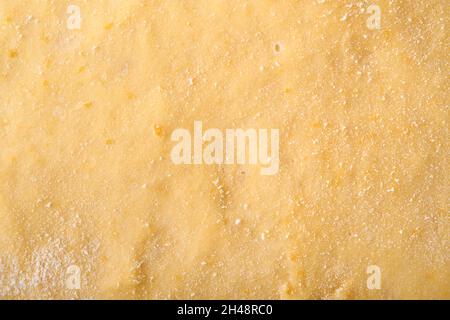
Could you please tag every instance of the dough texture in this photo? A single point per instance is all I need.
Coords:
(88, 191)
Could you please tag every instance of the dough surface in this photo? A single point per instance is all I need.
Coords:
(86, 179)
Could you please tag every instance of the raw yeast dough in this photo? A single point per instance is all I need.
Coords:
(88, 190)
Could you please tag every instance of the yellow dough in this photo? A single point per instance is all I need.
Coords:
(86, 178)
